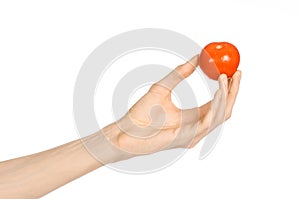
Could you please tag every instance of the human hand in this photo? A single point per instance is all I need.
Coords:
(154, 123)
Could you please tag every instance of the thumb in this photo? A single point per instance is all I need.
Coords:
(181, 72)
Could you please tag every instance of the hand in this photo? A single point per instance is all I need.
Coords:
(154, 123)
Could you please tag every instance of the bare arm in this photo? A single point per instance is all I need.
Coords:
(142, 130)
(35, 175)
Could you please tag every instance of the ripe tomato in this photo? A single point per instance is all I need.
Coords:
(219, 57)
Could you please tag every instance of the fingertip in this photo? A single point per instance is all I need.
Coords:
(189, 67)
(194, 60)
(223, 79)
(237, 74)
(223, 76)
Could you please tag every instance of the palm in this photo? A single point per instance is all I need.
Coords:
(156, 109)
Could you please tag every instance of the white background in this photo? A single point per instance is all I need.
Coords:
(43, 45)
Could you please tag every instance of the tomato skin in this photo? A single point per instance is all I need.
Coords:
(219, 57)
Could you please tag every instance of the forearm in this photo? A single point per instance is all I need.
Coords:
(36, 175)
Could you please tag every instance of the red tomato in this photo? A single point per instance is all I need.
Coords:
(219, 57)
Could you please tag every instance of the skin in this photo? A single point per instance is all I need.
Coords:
(153, 124)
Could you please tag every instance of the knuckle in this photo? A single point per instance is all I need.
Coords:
(182, 70)
(156, 88)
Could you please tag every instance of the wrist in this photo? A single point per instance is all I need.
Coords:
(104, 145)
